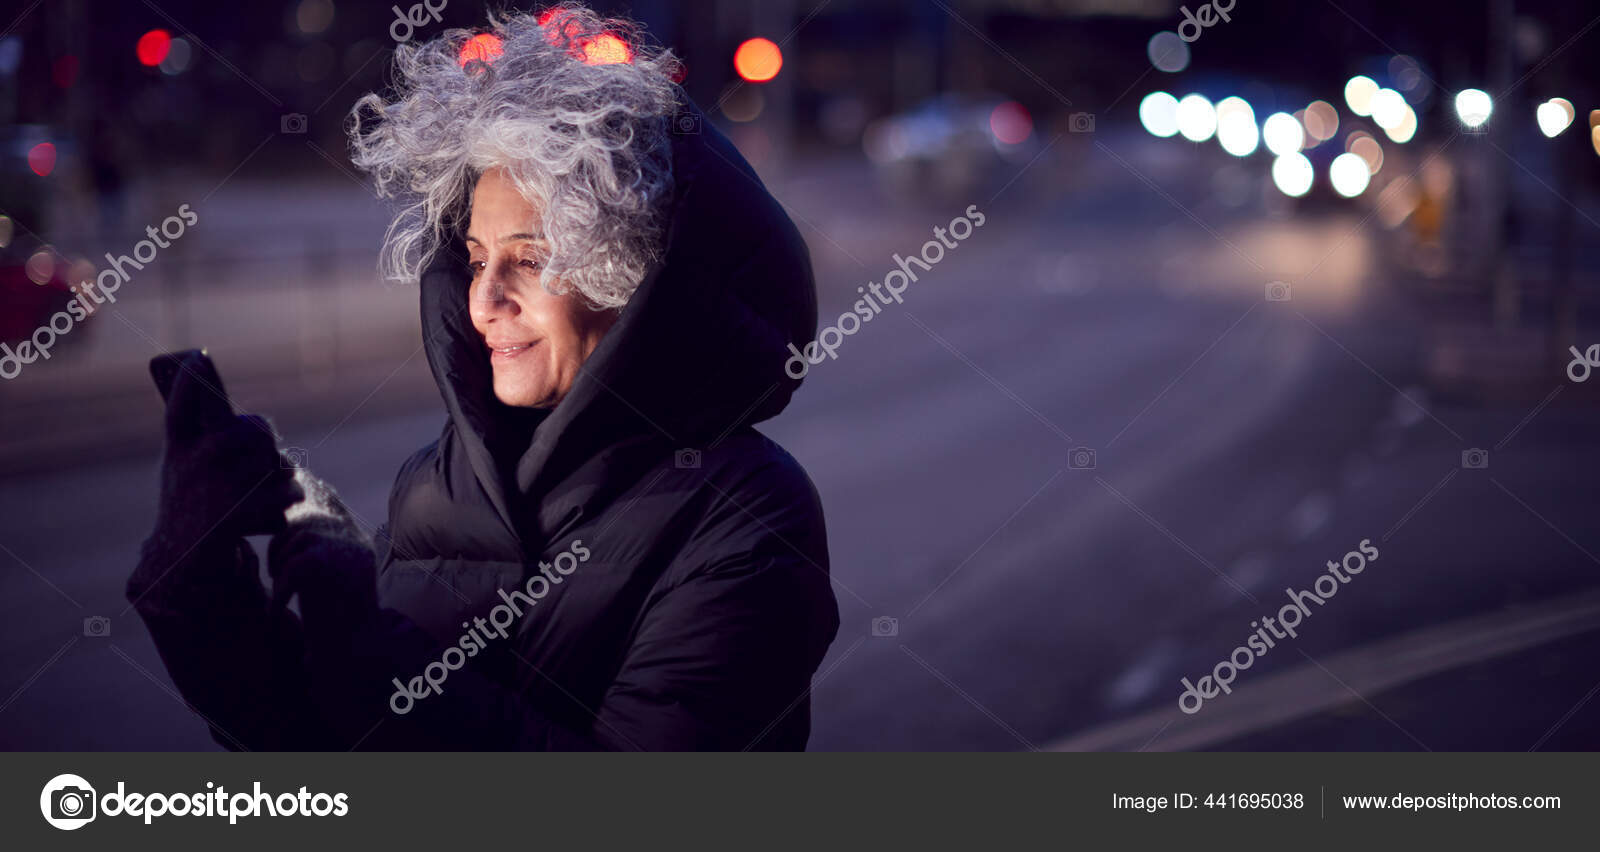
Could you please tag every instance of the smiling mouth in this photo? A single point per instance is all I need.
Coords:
(510, 350)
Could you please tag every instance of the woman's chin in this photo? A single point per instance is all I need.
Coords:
(520, 392)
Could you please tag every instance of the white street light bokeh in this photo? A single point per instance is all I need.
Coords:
(1349, 174)
(1474, 106)
(1236, 127)
(1406, 129)
(1358, 94)
(1388, 108)
(1233, 105)
(1282, 134)
(1197, 119)
(1554, 115)
(1158, 112)
(1292, 174)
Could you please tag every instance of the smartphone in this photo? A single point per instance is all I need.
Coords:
(209, 404)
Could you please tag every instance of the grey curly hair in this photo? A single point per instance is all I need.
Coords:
(587, 143)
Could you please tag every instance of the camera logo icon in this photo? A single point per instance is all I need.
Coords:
(293, 122)
(1081, 458)
(885, 627)
(1081, 122)
(97, 627)
(1475, 459)
(686, 124)
(68, 802)
(292, 458)
(1278, 291)
(686, 459)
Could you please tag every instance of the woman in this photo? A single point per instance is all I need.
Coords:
(599, 552)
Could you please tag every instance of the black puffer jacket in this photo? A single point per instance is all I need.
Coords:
(696, 604)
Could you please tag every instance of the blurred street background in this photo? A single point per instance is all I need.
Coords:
(1324, 273)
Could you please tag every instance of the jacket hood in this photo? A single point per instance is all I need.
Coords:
(698, 351)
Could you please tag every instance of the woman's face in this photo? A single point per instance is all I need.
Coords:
(536, 341)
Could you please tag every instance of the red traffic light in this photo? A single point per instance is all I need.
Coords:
(153, 47)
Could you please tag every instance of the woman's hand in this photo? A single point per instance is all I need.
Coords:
(222, 478)
(324, 556)
(221, 474)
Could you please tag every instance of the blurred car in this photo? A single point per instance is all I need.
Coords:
(947, 146)
(24, 304)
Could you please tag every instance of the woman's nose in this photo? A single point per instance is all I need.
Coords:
(488, 298)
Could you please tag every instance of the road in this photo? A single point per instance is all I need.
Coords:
(1109, 304)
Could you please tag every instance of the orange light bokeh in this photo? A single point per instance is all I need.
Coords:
(483, 47)
(758, 60)
(606, 49)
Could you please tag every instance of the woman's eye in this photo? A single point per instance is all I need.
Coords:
(476, 266)
(531, 264)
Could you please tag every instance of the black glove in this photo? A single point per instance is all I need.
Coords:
(222, 478)
(325, 557)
